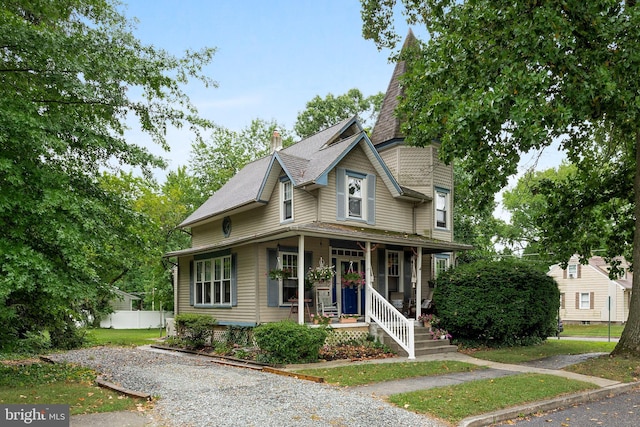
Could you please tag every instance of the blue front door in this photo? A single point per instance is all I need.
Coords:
(352, 296)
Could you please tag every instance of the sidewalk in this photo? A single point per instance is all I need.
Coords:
(550, 366)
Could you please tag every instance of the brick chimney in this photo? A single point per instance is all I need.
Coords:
(276, 141)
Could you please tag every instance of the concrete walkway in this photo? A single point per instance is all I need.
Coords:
(549, 366)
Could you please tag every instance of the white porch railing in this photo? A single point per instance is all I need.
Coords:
(392, 321)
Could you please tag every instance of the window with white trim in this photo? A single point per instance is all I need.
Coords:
(393, 271)
(355, 190)
(213, 281)
(441, 264)
(585, 300)
(442, 208)
(289, 285)
(286, 196)
(572, 271)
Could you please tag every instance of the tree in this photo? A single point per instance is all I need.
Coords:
(501, 78)
(528, 206)
(72, 78)
(477, 227)
(216, 160)
(322, 113)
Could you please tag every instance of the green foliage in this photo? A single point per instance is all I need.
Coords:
(289, 342)
(322, 113)
(497, 79)
(218, 159)
(73, 78)
(238, 335)
(195, 330)
(495, 304)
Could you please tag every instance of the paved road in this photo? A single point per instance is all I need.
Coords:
(619, 411)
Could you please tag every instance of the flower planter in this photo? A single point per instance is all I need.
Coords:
(348, 320)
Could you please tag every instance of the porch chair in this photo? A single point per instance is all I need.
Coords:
(325, 306)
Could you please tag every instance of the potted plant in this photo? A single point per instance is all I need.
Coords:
(321, 273)
(320, 319)
(279, 273)
(426, 320)
(348, 318)
(350, 279)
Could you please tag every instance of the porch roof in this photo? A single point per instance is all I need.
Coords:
(334, 231)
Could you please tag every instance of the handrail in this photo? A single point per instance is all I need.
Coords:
(392, 321)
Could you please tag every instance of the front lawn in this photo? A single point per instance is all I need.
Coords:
(551, 347)
(122, 337)
(367, 373)
(30, 382)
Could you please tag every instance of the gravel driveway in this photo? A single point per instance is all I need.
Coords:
(193, 391)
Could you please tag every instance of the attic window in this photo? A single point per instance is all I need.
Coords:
(572, 271)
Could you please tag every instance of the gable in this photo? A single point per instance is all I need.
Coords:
(307, 164)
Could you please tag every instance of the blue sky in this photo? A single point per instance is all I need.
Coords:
(272, 56)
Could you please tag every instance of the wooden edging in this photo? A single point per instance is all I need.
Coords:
(106, 384)
(240, 363)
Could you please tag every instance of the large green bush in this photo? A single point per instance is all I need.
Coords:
(503, 303)
(195, 330)
(289, 342)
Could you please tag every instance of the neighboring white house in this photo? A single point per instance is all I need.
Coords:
(588, 295)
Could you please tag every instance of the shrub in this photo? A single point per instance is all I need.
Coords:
(195, 330)
(504, 303)
(289, 342)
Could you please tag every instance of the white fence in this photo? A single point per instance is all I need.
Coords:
(125, 319)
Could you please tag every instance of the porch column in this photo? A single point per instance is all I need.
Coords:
(368, 282)
(418, 283)
(301, 272)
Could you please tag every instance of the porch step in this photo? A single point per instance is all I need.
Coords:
(424, 343)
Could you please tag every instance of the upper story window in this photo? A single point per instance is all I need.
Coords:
(356, 193)
(286, 197)
(442, 208)
(572, 271)
(355, 196)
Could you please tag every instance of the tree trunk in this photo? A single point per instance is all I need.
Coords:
(629, 343)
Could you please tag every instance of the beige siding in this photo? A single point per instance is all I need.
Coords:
(247, 273)
(391, 214)
(590, 280)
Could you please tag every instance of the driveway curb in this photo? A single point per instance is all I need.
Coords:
(547, 405)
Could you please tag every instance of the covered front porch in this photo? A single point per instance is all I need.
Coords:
(379, 278)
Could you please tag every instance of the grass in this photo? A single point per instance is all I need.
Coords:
(551, 347)
(621, 369)
(455, 403)
(37, 383)
(599, 330)
(122, 337)
(352, 375)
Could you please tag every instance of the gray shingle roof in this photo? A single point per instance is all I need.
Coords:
(306, 162)
(387, 127)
